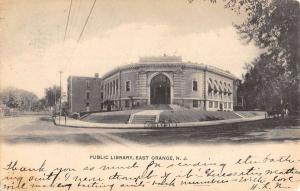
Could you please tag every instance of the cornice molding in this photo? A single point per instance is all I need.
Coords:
(179, 65)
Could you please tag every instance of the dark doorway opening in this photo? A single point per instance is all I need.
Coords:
(160, 90)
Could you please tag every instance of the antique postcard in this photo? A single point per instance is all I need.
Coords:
(132, 95)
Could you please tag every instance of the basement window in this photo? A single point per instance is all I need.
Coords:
(126, 103)
(195, 103)
(210, 104)
(216, 104)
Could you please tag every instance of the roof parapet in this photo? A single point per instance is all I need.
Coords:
(160, 59)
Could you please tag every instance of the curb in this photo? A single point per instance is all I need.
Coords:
(141, 126)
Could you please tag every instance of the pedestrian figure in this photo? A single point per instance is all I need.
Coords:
(65, 119)
(266, 115)
(65, 115)
(286, 112)
(282, 113)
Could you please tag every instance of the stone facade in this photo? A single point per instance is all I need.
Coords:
(189, 85)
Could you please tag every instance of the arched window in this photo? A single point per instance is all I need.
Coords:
(221, 90)
(225, 88)
(210, 86)
(216, 88)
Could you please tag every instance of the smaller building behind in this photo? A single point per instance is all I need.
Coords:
(84, 93)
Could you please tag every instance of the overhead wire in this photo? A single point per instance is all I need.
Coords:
(86, 21)
(68, 18)
(69, 58)
(75, 18)
(72, 22)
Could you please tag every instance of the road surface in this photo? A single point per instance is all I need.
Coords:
(41, 130)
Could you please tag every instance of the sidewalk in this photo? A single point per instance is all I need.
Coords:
(82, 124)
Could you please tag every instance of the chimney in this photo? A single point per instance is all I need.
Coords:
(96, 75)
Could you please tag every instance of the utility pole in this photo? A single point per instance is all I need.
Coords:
(55, 101)
(60, 73)
(242, 102)
(55, 97)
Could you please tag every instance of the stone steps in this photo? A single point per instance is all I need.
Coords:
(176, 107)
(141, 119)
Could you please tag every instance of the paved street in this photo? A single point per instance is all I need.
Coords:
(41, 130)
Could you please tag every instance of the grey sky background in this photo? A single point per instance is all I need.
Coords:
(32, 49)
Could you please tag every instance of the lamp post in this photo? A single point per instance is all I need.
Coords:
(60, 74)
(55, 101)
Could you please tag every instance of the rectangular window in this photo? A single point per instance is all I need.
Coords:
(216, 104)
(106, 95)
(229, 105)
(101, 95)
(107, 91)
(210, 104)
(87, 95)
(87, 84)
(117, 86)
(126, 103)
(225, 105)
(114, 87)
(87, 104)
(195, 86)
(110, 88)
(195, 103)
(128, 86)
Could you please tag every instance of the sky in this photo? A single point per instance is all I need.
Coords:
(33, 49)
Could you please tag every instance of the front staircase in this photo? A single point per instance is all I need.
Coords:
(141, 119)
(144, 116)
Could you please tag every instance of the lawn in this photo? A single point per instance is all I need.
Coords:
(181, 116)
(114, 117)
(250, 113)
(195, 116)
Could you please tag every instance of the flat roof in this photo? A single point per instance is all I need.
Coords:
(169, 61)
(85, 77)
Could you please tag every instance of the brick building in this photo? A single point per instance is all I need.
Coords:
(84, 93)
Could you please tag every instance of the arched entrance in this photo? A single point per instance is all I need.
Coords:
(160, 90)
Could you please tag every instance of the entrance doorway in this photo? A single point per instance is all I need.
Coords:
(160, 90)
